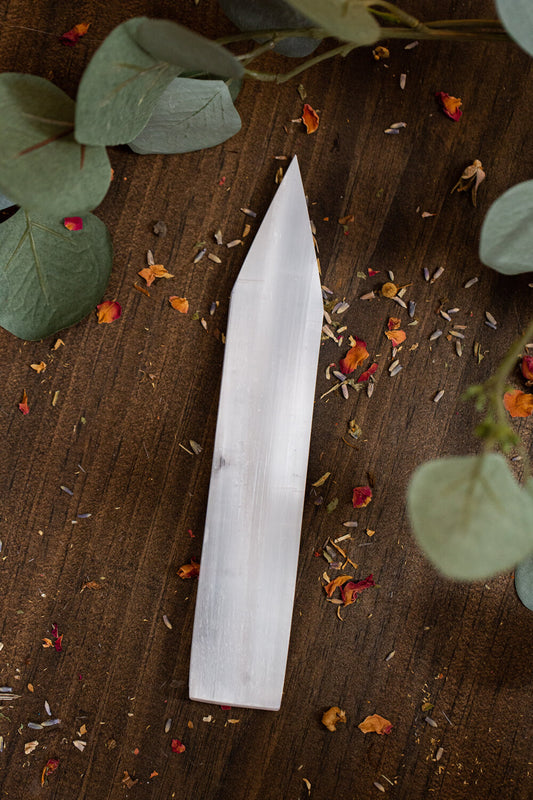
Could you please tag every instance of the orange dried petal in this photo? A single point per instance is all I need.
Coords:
(108, 311)
(518, 403)
(191, 570)
(450, 105)
(354, 357)
(310, 118)
(40, 367)
(339, 581)
(396, 337)
(394, 323)
(332, 717)
(147, 275)
(181, 304)
(375, 724)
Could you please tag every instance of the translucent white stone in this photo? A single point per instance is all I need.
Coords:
(254, 513)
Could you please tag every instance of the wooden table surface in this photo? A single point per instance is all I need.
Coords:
(112, 416)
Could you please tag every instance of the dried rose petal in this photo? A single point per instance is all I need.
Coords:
(518, 403)
(108, 311)
(394, 323)
(154, 271)
(332, 585)
(73, 223)
(177, 746)
(50, 766)
(310, 118)
(527, 367)
(450, 105)
(181, 304)
(362, 495)
(396, 337)
(351, 590)
(23, 405)
(191, 570)
(72, 37)
(364, 376)
(332, 717)
(354, 357)
(372, 272)
(375, 724)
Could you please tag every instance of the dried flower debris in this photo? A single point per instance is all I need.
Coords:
(310, 118)
(72, 37)
(108, 311)
(450, 105)
(470, 180)
(375, 724)
(332, 717)
(518, 403)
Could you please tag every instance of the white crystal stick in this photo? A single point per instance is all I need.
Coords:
(256, 494)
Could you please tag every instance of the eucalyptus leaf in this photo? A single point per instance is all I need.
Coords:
(523, 581)
(348, 20)
(234, 84)
(506, 242)
(190, 115)
(50, 277)
(170, 42)
(517, 17)
(5, 202)
(470, 516)
(42, 167)
(119, 88)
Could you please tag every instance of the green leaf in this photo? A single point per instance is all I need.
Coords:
(5, 202)
(190, 115)
(348, 20)
(523, 581)
(506, 242)
(168, 41)
(470, 516)
(517, 17)
(50, 277)
(42, 167)
(119, 89)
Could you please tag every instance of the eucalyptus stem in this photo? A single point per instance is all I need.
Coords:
(343, 50)
(273, 34)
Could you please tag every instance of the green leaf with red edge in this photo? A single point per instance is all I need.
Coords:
(469, 515)
(50, 277)
(120, 88)
(42, 167)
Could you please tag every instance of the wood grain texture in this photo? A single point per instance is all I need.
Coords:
(132, 392)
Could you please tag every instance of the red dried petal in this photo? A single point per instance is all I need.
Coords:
(23, 405)
(72, 37)
(362, 495)
(108, 311)
(518, 403)
(354, 357)
(177, 746)
(372, 272)
(450, 105)
(364, 376)
(527, 367)
(310, 118)
(73, 223)
(50, 766)
(350, 591)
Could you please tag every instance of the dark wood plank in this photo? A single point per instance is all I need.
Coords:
(131, 393)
